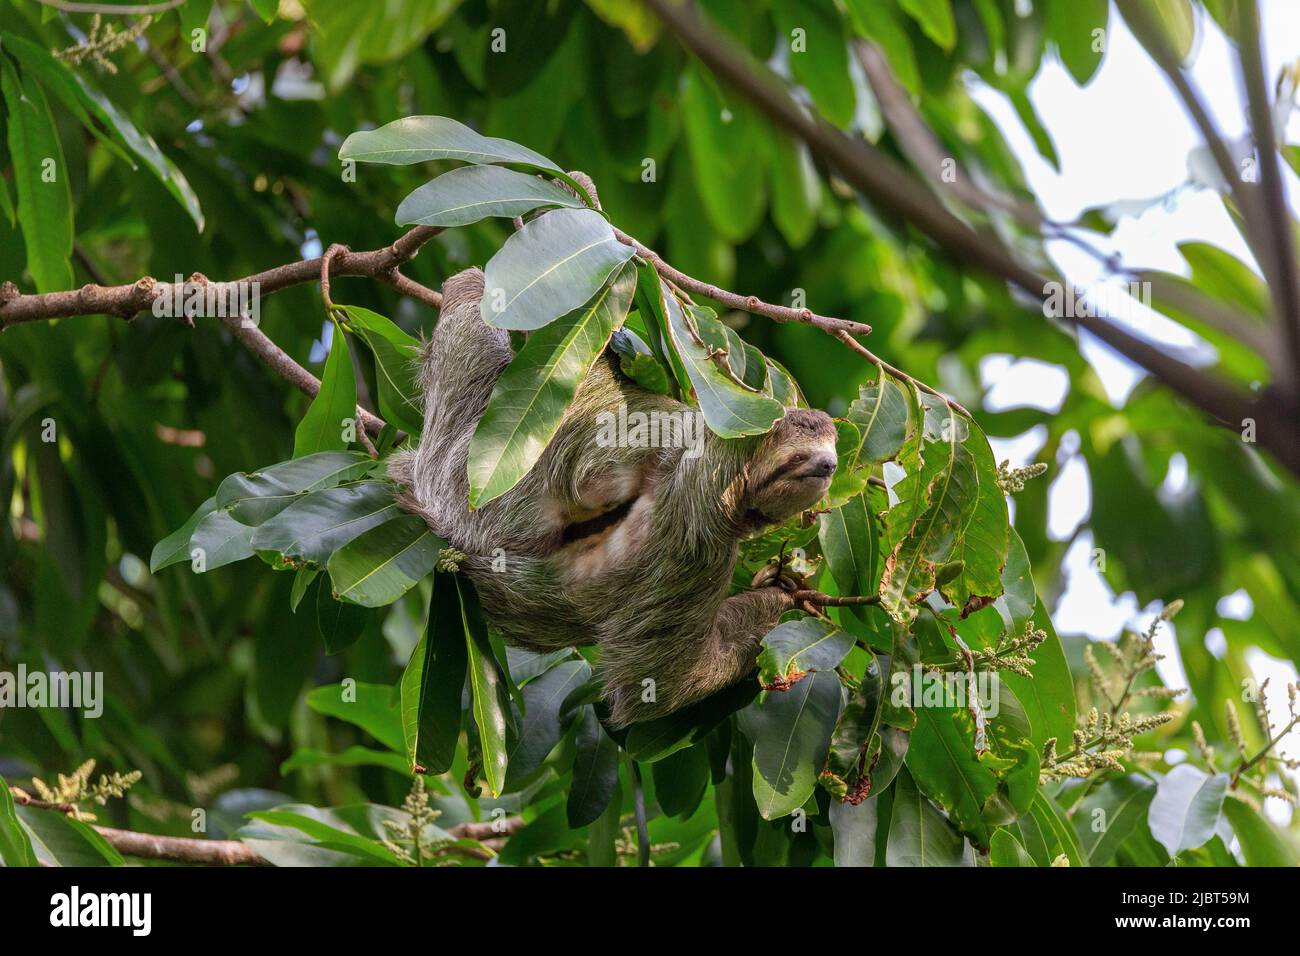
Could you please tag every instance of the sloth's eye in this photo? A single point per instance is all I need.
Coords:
(798, 459)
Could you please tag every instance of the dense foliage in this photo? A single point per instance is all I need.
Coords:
(285, 702)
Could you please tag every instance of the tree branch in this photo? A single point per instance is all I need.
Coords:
(125, 301)
(883, 181)
(1285, 271)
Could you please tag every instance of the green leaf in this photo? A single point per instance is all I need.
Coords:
(854, 827)
(1071, 27)
(531, 396)
(306, 757)
(59, 840)
(472, 193)
(680, 780)
(84, 101)
(878, 22)
(935, 18)
(791, 731)
(819, 56)
(918, 833)
(796, 648)
(432, 684)
(380, 565)
(941, 756)
(221, 540)
(1185, 811)
(730, 409)
(254, 497)
(595, 771)
(322, 428)
(543, 724)
(317, 524)
(796, 189)
(880, 414)
(418, 139)
(983, 533)
(41, 177)
(1107, 817)
(856, 749)
(368, 706)
(1006, 850)
(491, 708)
(15, 845)
(550, 267)
(396, 366)
(848, 541)
(655, 739)
(341, 624)
(176, 546)
(1261, 843)
(1054, 831)
(725, 141)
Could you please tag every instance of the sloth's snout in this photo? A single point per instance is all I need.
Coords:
(822, 465)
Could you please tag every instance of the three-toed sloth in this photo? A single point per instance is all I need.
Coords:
(628, 548)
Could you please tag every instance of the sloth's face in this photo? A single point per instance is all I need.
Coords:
(793, 468)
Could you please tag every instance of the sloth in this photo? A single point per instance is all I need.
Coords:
(628, 548)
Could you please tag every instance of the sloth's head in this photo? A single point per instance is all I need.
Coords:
(792, 467)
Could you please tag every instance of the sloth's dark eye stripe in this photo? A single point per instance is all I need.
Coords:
(585, 529)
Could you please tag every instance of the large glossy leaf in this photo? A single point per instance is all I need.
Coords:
(418, 139)
(41, 177)
(790, 731)
(725, 143)
(730, 409)
(982, 534)
(84, 101)
(1185, 811)
(491, 708)
(595, 771)
(942, 759)
(880, 413)
(317, 524)
(1006, 850)
(856, 748)
(322, 428)
(432, 684)
(1110, 814)
(380, 565)
(854, 827)
(219, 540)
(848, 541)
(470, 193)
(532, 394)
(794, 649)
(918, 833)
(254, 497)
(59, 840)
(543, 724)
(368, 706)
(550, 267)
(176, 546)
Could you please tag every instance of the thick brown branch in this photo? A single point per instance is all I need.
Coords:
(883, 181)
(127, 300)
(1284, 276)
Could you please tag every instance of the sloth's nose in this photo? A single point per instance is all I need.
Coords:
(822, 466)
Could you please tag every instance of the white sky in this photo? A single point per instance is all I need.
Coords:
(1126, 137)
